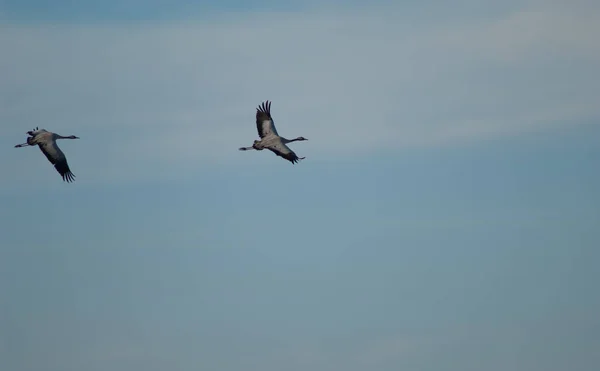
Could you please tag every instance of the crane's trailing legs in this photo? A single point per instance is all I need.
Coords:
(29, 142)
(256, 145)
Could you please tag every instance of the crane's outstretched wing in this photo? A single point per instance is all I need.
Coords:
(284, 151)
(58, 159)
(264, 121)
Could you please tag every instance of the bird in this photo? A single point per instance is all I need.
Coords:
(269, 138)
(47, 142)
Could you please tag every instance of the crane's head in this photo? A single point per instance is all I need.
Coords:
(301, 138)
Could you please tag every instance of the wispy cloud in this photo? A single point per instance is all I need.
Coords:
(143, 96)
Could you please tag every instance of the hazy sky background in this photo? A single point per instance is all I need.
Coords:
(446, 216)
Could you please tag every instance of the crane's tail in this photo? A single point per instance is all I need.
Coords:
(30, 132)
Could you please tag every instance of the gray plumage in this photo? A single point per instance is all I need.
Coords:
(46, 141)
(269, 138)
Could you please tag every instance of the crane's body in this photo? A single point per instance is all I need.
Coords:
(46, 141)
(269, 138)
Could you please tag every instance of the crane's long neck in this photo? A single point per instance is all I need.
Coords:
(58, 136)
(285, 140)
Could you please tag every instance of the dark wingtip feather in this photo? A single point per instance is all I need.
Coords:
(68, 177)
(65, 172)
(293, 158)
(265, 107)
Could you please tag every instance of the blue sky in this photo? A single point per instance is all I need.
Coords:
(445, 217)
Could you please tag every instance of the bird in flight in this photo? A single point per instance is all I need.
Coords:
(269, 138)
(47, 143)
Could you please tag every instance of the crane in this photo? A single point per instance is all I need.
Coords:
(269, 138)
(47, 143)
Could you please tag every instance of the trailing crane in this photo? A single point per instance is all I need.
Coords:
(46, 141)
